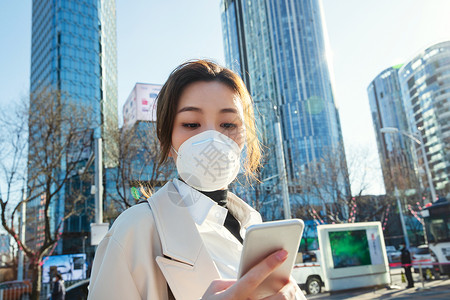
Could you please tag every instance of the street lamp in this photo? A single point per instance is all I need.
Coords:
(279, 155)
(418, 139)
(282, 167)
(399, 204)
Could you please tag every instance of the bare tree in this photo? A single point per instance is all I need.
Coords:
(262, 194)
(415, 224)
(325, 183)
(412, 195)
(138, 167)
(44, 143)
(325, 187)
(263, 191)
(399, 175)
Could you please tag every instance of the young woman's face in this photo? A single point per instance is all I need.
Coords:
(208, 106)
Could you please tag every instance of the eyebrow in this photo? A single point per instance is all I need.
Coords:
(197, 109)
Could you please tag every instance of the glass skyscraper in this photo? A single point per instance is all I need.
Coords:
(74, 52)
(278, 48)
(386, 107)
(425, 83)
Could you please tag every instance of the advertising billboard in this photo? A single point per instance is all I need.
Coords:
(353, 255)
(70, 266)
(349, 248)
(146, 101)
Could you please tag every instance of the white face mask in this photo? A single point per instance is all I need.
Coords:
(208, 161)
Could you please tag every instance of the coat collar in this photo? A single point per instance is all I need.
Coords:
(180, 238)
(200, 206)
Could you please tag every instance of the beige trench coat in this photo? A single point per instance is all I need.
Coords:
(149, 247)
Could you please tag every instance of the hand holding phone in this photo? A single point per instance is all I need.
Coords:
(244, 288)
(261, 271)
(263, 239)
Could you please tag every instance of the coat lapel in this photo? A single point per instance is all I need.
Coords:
(187, 266)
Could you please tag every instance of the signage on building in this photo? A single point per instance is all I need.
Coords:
(141, 104)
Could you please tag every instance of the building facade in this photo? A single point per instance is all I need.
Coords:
(425, 84)
(138, 155)
(278, 48)
(395, 150)
(74, 50)
(74, 53)
(141, 104)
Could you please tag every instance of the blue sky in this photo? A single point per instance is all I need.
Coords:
(365, 37)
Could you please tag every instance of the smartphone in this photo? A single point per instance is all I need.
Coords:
(265, 238)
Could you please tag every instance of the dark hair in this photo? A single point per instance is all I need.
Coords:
(204, 70)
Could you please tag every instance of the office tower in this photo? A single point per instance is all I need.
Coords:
(74, 52)
(425, 84)
(395, 150)
(278, 48)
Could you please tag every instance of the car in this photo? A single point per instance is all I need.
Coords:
(15, 290)
(78, 291)
(308, 273)
(423, 258)
(394, 256)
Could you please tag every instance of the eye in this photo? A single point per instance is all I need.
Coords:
(191, 125)
(228, 125)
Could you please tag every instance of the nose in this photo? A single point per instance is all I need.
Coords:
(212, 126)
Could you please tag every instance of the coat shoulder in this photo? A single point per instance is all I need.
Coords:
(133, 222)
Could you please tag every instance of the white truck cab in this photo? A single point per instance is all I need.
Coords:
(308, 273)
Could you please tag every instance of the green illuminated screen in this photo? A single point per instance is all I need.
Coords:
(349, 248)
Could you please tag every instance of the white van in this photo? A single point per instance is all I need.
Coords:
(307, 272)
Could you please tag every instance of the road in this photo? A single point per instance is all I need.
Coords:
(433, 289)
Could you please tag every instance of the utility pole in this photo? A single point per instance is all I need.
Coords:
(402, 220)
(282, 171)
(98, 181)
(98, 229)
(22, 222)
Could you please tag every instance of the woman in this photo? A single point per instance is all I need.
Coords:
(186, 242)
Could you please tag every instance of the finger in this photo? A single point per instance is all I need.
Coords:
(297, 288)
(245, 286)
(217, 286)
(286, 292)
(223, 284)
